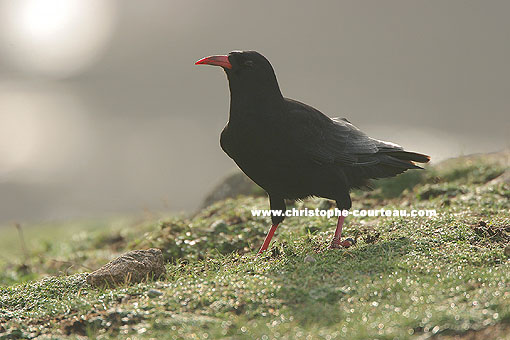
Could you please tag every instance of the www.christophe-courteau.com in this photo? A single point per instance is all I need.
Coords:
(338, 212)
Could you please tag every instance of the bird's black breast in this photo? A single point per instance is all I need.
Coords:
(245, 145)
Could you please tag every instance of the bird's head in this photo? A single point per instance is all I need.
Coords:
(247, 71)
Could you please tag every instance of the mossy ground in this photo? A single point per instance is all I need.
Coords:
(426, 277)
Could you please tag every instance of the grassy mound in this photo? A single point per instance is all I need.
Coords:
(445, 276)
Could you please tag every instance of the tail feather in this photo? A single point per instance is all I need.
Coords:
(410, 156)
(389, 164)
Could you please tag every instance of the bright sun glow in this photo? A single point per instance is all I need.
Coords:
(42, 20)
(55, 37)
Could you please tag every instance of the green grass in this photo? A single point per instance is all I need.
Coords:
(416, 278)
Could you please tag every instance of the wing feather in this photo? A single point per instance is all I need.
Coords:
(333, 140)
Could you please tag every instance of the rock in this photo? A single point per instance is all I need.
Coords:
(152, 293)
(507, 251)
(232, 186)
(503, 178)
(309, 259)
(132, 267)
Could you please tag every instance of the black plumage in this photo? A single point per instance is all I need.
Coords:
(291, 149)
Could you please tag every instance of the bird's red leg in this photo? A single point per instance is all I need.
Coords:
(269, 236)
(336, 243)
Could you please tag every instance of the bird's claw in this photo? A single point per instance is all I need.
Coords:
(336, 244)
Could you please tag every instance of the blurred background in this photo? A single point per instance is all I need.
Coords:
(103, 112)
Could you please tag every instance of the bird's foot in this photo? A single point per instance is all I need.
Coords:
(336, 244)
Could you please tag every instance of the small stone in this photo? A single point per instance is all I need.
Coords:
(507, 251)
(132, 267)
(152, 293)
(309, 259)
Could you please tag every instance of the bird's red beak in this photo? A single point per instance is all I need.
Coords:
(216, 60)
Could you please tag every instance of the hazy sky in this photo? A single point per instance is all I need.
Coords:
(102, 110)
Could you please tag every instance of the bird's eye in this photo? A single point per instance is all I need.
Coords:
(248, 63)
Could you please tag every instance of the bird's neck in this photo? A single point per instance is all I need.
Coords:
(260, 102)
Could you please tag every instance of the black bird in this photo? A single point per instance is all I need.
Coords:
(294, 151)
